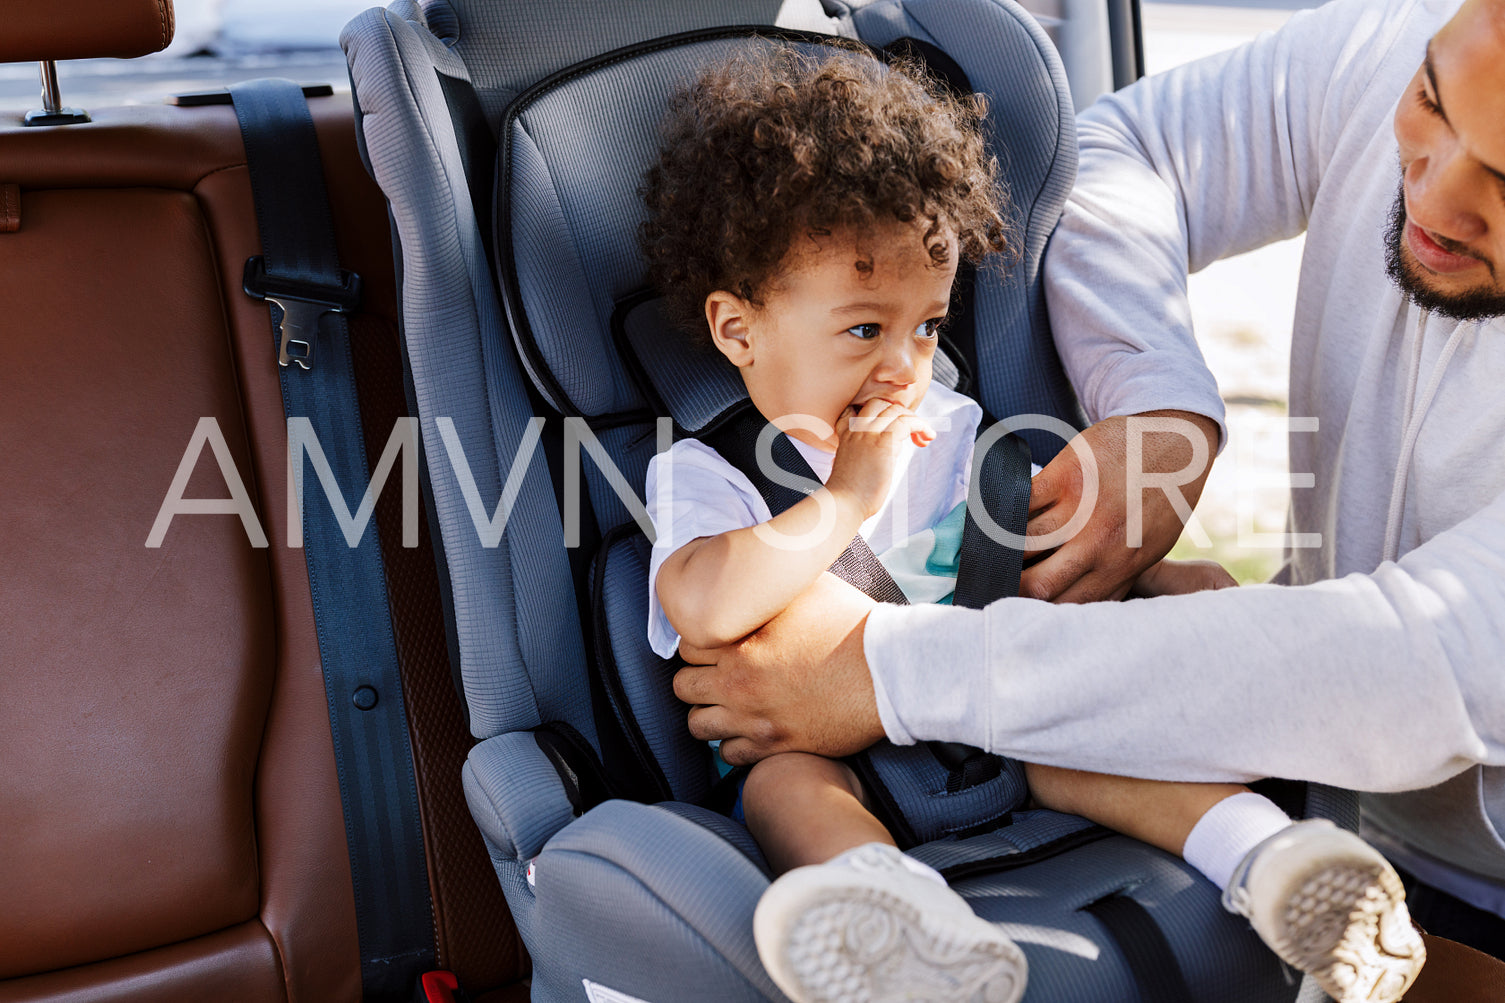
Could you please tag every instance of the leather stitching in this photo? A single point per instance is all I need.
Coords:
(162, 22)
(10, 208)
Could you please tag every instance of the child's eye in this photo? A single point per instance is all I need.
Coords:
(867, 332)
(930, 329)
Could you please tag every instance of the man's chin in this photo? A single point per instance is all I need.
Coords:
(1456, 300)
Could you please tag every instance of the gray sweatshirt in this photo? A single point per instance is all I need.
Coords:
(1379, 662)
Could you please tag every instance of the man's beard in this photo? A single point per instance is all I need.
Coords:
(1475, 304)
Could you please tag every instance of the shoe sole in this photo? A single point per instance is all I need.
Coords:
(1347, 924)
(864, 945)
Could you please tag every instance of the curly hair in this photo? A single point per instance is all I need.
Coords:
(776, 143)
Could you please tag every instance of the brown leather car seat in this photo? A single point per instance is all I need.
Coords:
(170, 821)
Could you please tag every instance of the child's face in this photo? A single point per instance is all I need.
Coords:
(830, 336)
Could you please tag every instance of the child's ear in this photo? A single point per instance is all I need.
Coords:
(728, 316)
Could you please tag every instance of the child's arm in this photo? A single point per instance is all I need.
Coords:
(718, 589)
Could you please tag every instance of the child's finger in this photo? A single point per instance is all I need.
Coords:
(920, 431)
(875, 416)
(906, 422)
(845, 421)
(878, 416)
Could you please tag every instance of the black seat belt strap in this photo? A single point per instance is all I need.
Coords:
(299, 275)
(736, 440)
(1000, 481)
(988, 567)
(1149, 956)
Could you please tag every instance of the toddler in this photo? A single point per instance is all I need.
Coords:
(808, 216)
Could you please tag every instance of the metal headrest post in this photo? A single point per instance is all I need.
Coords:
(53, 112)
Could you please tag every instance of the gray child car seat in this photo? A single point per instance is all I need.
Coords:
(510, 140)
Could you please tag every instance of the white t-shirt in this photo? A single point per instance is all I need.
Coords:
(692, 492)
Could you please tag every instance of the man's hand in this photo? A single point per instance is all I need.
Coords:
(1098, 562)
(801, 684)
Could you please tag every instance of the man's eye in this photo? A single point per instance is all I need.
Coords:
(867, 332)
(1431, 106)
(930, 329)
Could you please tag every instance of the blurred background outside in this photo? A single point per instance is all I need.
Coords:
(1242, 307)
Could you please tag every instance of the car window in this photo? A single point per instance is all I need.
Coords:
(1242, 308)
(215, 43)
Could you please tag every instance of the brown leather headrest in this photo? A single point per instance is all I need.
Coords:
(82, 29)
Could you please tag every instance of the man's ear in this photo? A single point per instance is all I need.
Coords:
(729, 318)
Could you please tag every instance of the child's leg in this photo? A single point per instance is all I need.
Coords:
(1212, 826)
(1152, 811)
(851, 917)
(1320, 897)
(805, 809)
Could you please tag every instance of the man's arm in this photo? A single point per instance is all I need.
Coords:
(1387, 681)
(1209, 160)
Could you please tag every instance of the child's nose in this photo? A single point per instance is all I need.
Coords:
(898, 363)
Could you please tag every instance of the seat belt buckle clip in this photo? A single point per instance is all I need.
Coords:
(302, 305)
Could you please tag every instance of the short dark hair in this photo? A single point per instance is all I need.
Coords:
(777, 142)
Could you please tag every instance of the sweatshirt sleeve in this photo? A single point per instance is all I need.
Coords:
(1381, 682)
(1211, 159)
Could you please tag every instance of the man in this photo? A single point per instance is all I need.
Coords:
(1379, 663)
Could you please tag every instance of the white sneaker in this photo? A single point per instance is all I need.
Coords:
(870, 926)
(1326, 902)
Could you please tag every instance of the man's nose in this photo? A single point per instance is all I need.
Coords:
(1443, 193)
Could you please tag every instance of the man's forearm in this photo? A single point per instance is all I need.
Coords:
(1217, 686)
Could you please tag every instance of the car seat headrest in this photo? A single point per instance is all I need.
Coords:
(85, 29)
(678, 374)
(574, 149)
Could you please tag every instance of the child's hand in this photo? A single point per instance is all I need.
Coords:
(1174, 578)
(867, 442)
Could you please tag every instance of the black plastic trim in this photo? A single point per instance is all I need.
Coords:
(884, 807)
(221, 95)
(477, 148)
(1126, 41)
(586, 782)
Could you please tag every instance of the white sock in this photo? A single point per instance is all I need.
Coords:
(1231, 828)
